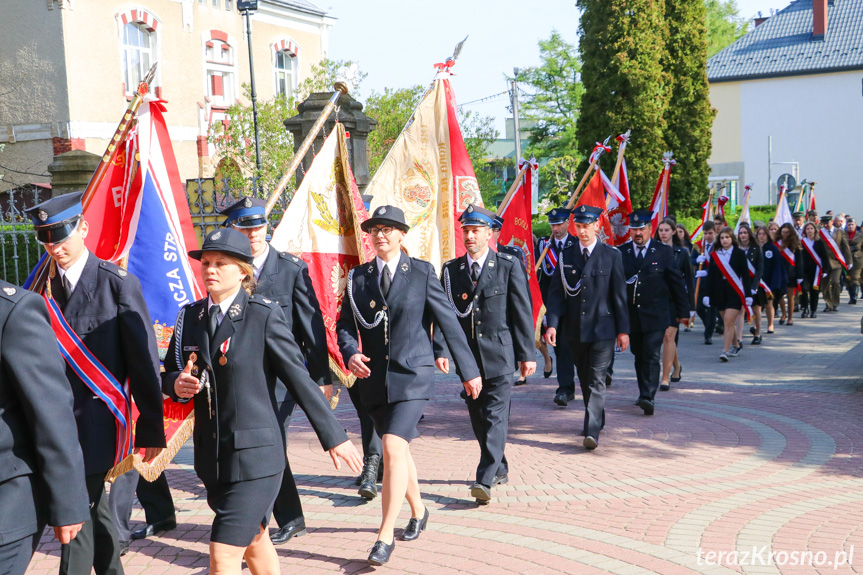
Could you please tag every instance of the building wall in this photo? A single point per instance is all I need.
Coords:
(85, 47)
(814, 120)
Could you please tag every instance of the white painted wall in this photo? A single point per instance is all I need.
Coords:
(815, 120)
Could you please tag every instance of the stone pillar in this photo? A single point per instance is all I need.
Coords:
(357, 124)
(71, 171)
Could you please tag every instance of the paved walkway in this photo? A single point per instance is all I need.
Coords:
(762, 453)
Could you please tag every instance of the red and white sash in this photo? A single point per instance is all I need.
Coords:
(831, 245)
(733, 279)
(788, 256)
(95, 376)
(761, 283)
(810, 249)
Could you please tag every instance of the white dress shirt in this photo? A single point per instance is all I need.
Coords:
(392, 264)
(223, 307)
(480, 260)
(258, 262)
(581, 247)
(73, 274)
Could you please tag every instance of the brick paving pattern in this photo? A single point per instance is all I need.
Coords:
(761, 453)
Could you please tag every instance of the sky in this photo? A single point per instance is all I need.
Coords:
(397, 42)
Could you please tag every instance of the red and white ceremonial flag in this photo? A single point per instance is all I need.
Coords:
(720, 205)
(619, 209)
(594, 195)
(744, 215)
(322, 226)
(428, 174)
(517, 230)
(697, 237)
(659, 204)
(783, 212)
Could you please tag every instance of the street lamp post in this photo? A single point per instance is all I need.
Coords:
(246, 7)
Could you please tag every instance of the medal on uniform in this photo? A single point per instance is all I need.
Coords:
(464, 296)
(372, 304)
(193, 357)
(224, 349)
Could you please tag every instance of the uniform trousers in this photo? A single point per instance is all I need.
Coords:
(287, 508)
(96, 546)
(15, 556)
(831, 287)
(591, 362)
(565, 367)
(647, 348)
(154, 497)
(809, 298)
(372, 444)
(489, 417)
(707, 315)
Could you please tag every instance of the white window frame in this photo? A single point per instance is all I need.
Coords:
(228, 70)
(154, 51)
(293, 73)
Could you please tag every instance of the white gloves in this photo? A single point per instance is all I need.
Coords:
(706, 301)
(799, 281)
(749, 301)
(701, 274)
(754, 291)
(701, 259)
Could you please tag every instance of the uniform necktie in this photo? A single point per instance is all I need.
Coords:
(640, 256)
(67, 287)
(386, 281)
(474, 272)
(559, 247)
(214, 321)
(585, 254)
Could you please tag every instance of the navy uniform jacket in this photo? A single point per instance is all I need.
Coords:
(108, 312)
(242, 439)
(41, 466)
(681, 260)
(285, 280)
(809, 265)
(755, 256)
(599, 311)
(500, 329)
(657, 292)
(543, 277)
(402, 364)
(719, 288)
(514, 251)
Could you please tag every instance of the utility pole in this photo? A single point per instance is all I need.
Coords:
(515, 125)
(246, 7)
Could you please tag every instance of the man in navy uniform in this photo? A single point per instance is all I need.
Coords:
(104, 306)
(490, 296)
(588, 301)
(284, 278)
(708, 314)
(42, 476)
(655, 293)
(558, 219)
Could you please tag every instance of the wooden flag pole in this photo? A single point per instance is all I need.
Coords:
(574, 197)
(504, 204)
(701, 265)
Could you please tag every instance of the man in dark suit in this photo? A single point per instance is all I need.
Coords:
(588, 301)
(558, 219)
(104, 306)
(491, 299)
(701, 258)
(655, 291)
(284, 278)
(832, 287)
(42, 476)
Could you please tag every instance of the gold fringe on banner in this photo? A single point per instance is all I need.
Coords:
(151, 471)
(537, 334)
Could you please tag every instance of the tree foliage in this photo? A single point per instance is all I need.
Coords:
(392, 109)
(689, 116)
(622, 48)
(724, 24)
(554, 100)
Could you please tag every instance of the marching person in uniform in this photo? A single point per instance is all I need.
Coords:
(558, 219)
(104, 306)
(856, 248)
(489, 294)
(656, 294)
(227, 352)
(42, 478)
(284, 279)
(728, 287)
(814, 260)
(388, 308)
(706, 314)
(799, 220)
(836, 243)
(587, 299)
(755, 263)
(666, 234)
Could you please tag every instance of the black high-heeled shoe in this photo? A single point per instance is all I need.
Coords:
(415, 527)
(674, 379)
(547, 374)
(381, 552)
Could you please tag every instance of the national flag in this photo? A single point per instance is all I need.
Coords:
(783, 212)
(812, 199)
(517, 230)
(659, 203)
(720, 205)
(428, 174)
(619, 209)
(322, 226)
(697, 237)
(594, 195)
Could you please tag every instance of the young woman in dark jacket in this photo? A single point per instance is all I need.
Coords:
(789, 248)
(755, 257)
(773, 274)
(813, 258)
(722, 294)
(666, 234)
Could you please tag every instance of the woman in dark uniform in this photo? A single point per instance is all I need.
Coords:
(773, 274)
(721, 294)
(666, 233)
(789, 240)
(755, 257)
(231, 347)
(811, 269)
(389, 306)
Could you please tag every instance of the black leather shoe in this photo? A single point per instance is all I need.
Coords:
(708, 341)
(480, 492)
(124, 547)
(676, 378)
(664, 387)
(646, 406)
(368, 486)
(415, 527)
(381, 553)
(560, 399)
(500, 480)
(547, 374)
(813, 315)
(520, 381)
(590, 443)
(153, 528)
(805, 313)
(289, 531)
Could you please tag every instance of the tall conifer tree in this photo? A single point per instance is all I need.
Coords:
(689, 116)
(622, 50)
